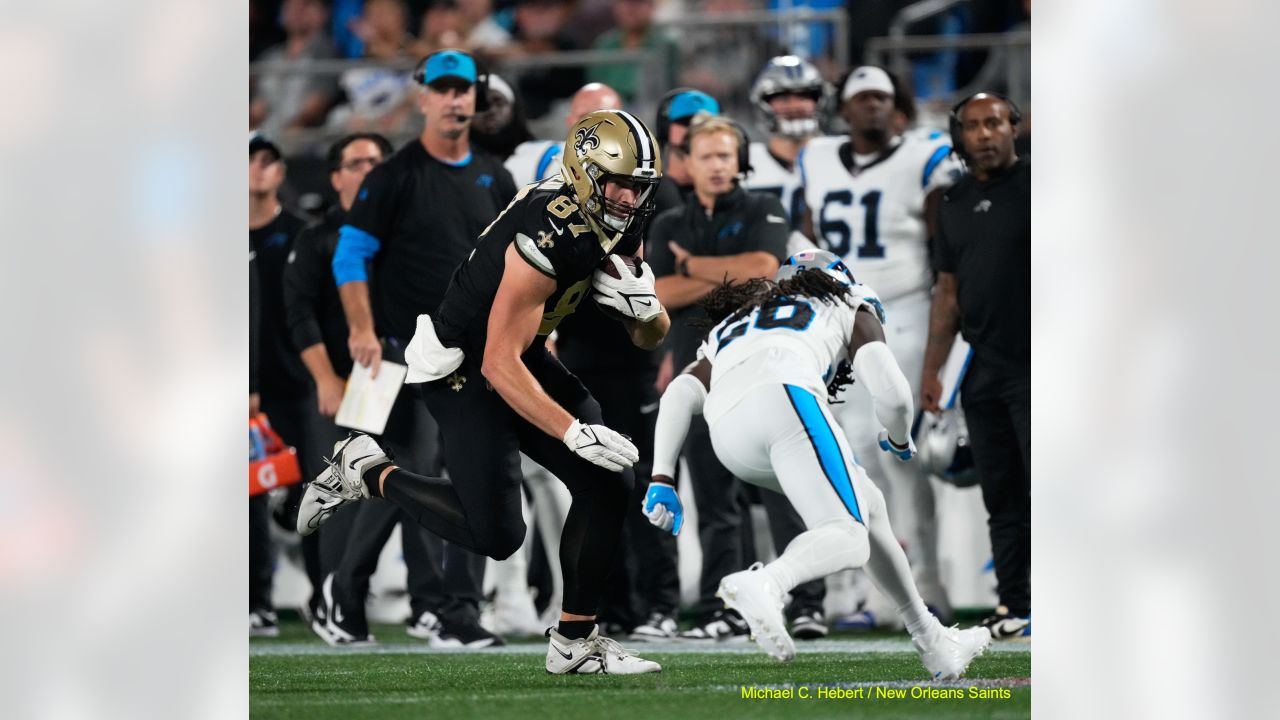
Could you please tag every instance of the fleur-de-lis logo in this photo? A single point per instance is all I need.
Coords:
(544, 239)
(456, 381)
(586, 139)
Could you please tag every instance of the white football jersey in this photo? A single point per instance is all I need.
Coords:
(769, 175)
(534, 160)
(817, 332)
(874, 217)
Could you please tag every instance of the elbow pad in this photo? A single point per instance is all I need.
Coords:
(355, 246)
(876, 367)
(683, 399)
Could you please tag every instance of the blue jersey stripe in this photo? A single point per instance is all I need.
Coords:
(938, 156)
(355, 246)
(825, 444)
(547, 156)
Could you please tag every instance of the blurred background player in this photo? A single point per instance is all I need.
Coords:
(722, 233)
(983, 259)
(415, 218)
(317, 325)
(283, 390)
(791, 98)
(782, 351)
(872, 199)
(675, 112)
(539, 159)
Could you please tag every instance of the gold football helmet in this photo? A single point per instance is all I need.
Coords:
(612, 147)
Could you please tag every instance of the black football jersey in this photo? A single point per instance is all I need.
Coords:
(551, 235)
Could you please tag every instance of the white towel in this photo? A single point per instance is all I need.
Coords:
(428, 359)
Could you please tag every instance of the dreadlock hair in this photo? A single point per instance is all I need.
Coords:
(731, 299)
(739, 300)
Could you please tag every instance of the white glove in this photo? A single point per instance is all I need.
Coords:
(903, 452)
(631, 296)
(601, 446)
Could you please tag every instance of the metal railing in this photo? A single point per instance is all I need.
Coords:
(747, 39)
(891, 52)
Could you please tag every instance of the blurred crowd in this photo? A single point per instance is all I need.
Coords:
(387, 36)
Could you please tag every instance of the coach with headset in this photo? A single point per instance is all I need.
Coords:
(417, 216)
(982, 255)
(722, 232)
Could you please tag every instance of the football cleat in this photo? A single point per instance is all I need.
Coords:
(425, 627)
(339, 628)
(758, 599)
(464, 635)
(723, 625)
(262, 623)
(947, 652)
(1004, 626)
(861, 621)
(657, 627)
(593, 655)
(809, 626)
(341, 483)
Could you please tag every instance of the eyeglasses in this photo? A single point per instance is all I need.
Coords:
(356, 163)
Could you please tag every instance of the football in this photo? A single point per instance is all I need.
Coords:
(607, 266)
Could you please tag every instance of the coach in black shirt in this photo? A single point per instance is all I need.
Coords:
(415, 219)
(723, 232)
(983, 260)
(279, 387)
(316, 323)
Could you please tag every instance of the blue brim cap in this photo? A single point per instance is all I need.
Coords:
(688, 104)
(449, 63)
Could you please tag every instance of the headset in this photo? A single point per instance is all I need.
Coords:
(744, 147)
(482, 77)
(957, 131)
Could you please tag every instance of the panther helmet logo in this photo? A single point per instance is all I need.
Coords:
(586, 140)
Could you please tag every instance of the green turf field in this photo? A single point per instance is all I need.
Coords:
(297, 676)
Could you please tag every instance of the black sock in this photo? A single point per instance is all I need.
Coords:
(370, 477)
(576, 629)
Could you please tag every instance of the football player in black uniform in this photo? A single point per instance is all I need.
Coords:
(496, 391)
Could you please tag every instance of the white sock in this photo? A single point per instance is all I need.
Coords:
(891, 572)
(817, 553)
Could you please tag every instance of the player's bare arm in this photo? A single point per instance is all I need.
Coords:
(513, 325)
(944, 322)
(648, 335)
(361, 340)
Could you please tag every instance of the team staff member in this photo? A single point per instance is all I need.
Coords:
(314, 312)
(498, 392)
(983, 260)
(723, 231)
(415, 218)
(282, 387)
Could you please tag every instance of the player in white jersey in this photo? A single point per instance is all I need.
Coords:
(871, 198)
(540, 159)
(791, 99)
(770, 365)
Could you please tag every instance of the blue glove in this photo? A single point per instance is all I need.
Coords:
(902, 453)
(662, 507)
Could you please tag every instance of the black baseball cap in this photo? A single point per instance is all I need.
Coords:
(258, 141)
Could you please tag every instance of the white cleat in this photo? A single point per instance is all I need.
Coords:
(759, 600)
(593, 655)
(341, 483)
(950, 650)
